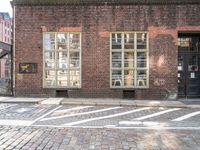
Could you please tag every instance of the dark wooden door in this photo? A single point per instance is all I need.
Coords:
(189, 66)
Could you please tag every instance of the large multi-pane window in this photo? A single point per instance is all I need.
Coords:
(62, 58)
(129, 60)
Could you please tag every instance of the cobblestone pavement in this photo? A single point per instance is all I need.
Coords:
(43, 138)
(98, 116)
(66, 127)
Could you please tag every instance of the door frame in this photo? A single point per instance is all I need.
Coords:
(186, 55)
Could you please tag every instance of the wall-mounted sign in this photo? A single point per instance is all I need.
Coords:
(192, 75)
(27, 68)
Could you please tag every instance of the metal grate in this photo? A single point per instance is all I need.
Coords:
(129, 94)
(61, 93)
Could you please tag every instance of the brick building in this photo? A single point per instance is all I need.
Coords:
(147, 49)
(5, 49)
(5, 28)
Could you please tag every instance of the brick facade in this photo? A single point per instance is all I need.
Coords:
(162, 22)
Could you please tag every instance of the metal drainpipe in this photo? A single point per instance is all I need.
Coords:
(12, 50)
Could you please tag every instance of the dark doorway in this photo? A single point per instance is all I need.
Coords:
(189, 65)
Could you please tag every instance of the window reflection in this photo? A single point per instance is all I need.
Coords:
(141, 59)
(129, 78)
(61, 41)
(74, 41)
(129, 41)
(116, 41)
(129, 59)
(50, 78)
(141, 77)
(49, 41)
(116, 59)
(116, 77)
(62, 63)
(141, 40)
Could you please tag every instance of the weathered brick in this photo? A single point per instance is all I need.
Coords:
(163, 22)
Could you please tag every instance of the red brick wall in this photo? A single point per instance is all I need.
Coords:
(95, 23)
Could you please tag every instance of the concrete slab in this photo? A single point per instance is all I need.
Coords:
(123, 102)
(52, 101)
(20, 100)
(102, 101)
(5, 98)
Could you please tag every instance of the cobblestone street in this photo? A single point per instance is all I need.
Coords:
(30, 138)
(66, 127)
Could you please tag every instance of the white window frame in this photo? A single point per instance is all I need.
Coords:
(68, 55)
(135, 50)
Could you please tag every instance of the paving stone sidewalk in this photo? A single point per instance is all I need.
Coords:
(184, 103)
(34, 138)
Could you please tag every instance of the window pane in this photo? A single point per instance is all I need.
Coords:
(116, 41)
(62, 56)
(116, 59)
(74, 41)
(141, 40)
(141, 59)
(74, 78)
(116, 78)
(141, 77)
(74, 59)
(61, 41)
(128, 78)
(49, 41)
(129, 59)
(62, 60)
(49, 78)
(184, 42)
(62, 78)
(49, 58)
(129, 40)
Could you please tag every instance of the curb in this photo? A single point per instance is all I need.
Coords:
(129, 104)
(99, 102)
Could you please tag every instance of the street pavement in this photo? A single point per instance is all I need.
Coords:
(89, 127)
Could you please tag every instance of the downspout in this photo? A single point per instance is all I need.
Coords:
(13, 51)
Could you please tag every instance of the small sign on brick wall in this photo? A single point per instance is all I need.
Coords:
(27, 68)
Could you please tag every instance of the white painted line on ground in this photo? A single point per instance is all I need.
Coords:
(145, 123)
(157, 114)
(83, 113)
(71, 109)
(187, 116)
(46, 114)
(8, 106)
(121, 128)
(130, 122)
(105, 117)
(15, 122)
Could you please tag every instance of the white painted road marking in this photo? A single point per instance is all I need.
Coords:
(105, 117)
(8, 107)
(82, 113)
(121, 128)
(15, 122)
(71, 109)
(46, 114)
(25, 122)
(157, 114)
(145, 123)
(187, 116)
